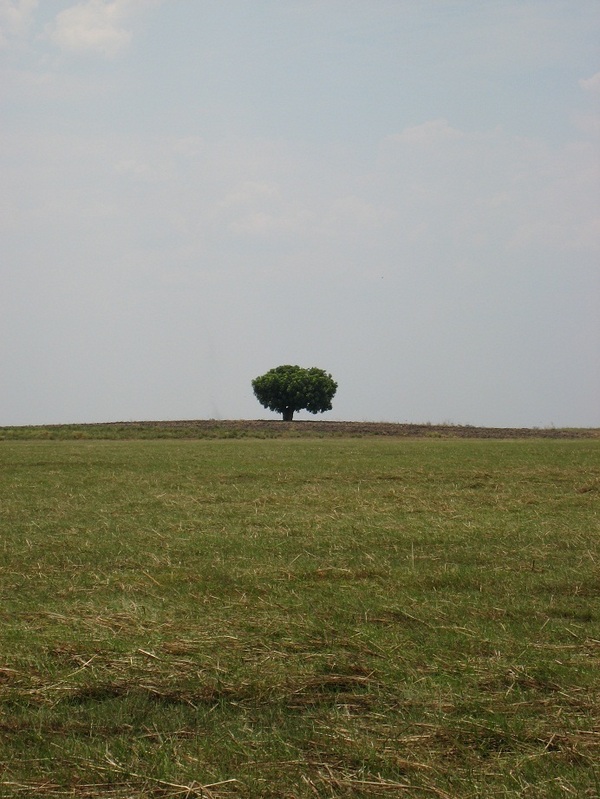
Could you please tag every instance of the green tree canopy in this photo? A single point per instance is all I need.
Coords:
(287, 389)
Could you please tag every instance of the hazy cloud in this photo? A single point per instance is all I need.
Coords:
(15, 18)
(591, 84)
(588, 121)
(101, 27)
(431, 132)
(249, 193)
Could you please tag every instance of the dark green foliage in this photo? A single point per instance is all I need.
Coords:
(287, 389)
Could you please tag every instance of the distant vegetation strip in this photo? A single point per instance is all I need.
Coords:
(215, 429)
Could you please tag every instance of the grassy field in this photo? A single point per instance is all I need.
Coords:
(300, 618)
(261, 428)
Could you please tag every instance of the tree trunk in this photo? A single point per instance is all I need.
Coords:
(288, 414)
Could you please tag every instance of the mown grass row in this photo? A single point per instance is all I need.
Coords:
(293, 618)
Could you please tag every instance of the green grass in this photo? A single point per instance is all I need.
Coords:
(295, 618)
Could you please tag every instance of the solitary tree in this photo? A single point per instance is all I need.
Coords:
(286, 389)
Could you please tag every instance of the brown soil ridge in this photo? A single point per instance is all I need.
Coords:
(259, 428)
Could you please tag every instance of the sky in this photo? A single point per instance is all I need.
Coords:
(405, 193)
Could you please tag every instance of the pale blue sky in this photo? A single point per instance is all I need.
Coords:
(406, 194)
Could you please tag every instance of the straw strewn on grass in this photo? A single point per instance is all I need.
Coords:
(346, 618)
